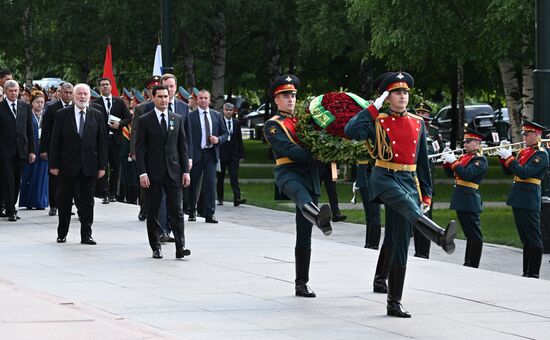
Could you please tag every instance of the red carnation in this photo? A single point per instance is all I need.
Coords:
(343, 108)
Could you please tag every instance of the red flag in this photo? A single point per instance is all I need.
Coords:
(108, 70)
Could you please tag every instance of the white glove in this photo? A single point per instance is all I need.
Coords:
(425, 208)
(448, 157)
(504, 153)
(380, 100)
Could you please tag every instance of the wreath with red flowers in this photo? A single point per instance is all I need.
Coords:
(321, 128)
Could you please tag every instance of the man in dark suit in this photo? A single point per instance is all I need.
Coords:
(116, 116)
(16, 144)
(5, 75)
(48, 119)
(211, 131)
(78, 155)
(162, 164)
(139, 110)
(231, 153)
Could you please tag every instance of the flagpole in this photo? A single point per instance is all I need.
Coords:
(166, 26)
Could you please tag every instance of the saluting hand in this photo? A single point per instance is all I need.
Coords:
(380, 100)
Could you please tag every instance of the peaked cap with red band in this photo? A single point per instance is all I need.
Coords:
(472, 134)
(395, 81)
(527, 126)
(285, 83)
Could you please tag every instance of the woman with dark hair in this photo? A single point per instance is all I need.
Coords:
(34, 181)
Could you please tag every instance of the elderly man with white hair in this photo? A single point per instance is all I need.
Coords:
(79, 135)
(16, 144)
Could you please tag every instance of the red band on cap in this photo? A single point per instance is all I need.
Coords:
(398, 85)
(284, 88)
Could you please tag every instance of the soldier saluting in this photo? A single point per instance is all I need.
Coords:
(400, 178)
(528, 168)
(296, 176)
(468, 170)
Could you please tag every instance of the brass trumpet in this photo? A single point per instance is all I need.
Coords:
(437, 157)
(515, 147)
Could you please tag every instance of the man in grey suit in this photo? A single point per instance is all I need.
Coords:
(209, 131)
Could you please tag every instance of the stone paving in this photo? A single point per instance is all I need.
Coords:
(238, 284)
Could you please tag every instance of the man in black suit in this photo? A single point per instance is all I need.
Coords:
(5, 75)
(209, 131)
(78, 155)
(162, 164)
(16, 144)
(116, 116)
(231, 154)
(48, 119)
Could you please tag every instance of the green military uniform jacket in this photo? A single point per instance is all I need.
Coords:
(467, 198)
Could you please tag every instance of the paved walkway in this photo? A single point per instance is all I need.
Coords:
(238, 284)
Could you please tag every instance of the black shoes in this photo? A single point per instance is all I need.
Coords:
(339, 218)
(61, 240)
(142, 215)
(112, 198)
(89, 241)
(192, 218)
(182, 252)
(303, 290)
(157, 254)
(211, 219)
(321, 217)
(166, 238)
(105, 200)
(220, 202)
(53, 211)
(238, 202)
(12, 217)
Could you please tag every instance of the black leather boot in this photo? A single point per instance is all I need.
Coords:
(467, 253)
(526, 249)
(535, 259)
(382, 270)
(476, 247)
(442, 237)
(302, 257)
(395, 292)
(372, 237)
(320, 217)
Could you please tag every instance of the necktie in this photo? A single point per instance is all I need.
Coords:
(170, 107)
(207, 128)
(81, 125)
(14, 109)
(163, 126)
(108, 104)
(229, 129)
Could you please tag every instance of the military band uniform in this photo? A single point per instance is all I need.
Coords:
(528, 168)
(401, 180)
(298, 178)
(469, 170)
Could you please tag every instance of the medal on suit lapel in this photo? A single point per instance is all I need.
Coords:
(172, 124)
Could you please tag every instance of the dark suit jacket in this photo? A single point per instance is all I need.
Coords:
(181, 109)
(73, 155)
(48, 118)
(218, 129)
(156, 156)
(233, 148)
(16, 135)
(118, 109)
(139, 110)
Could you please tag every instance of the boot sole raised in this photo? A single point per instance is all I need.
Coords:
(325, 216)
(450, 234)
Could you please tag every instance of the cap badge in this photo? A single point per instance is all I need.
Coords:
(288, 78)
(400, 76)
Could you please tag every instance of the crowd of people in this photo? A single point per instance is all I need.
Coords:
(64, 145)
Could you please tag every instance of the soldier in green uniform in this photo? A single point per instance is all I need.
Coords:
(468, 170)
(421, 243)
(296, 176)
(400, 178)
(528, 168)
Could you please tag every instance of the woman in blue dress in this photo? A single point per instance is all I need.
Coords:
(34, 181)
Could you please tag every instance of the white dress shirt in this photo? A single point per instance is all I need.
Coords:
(203, 128)
(77, 117)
